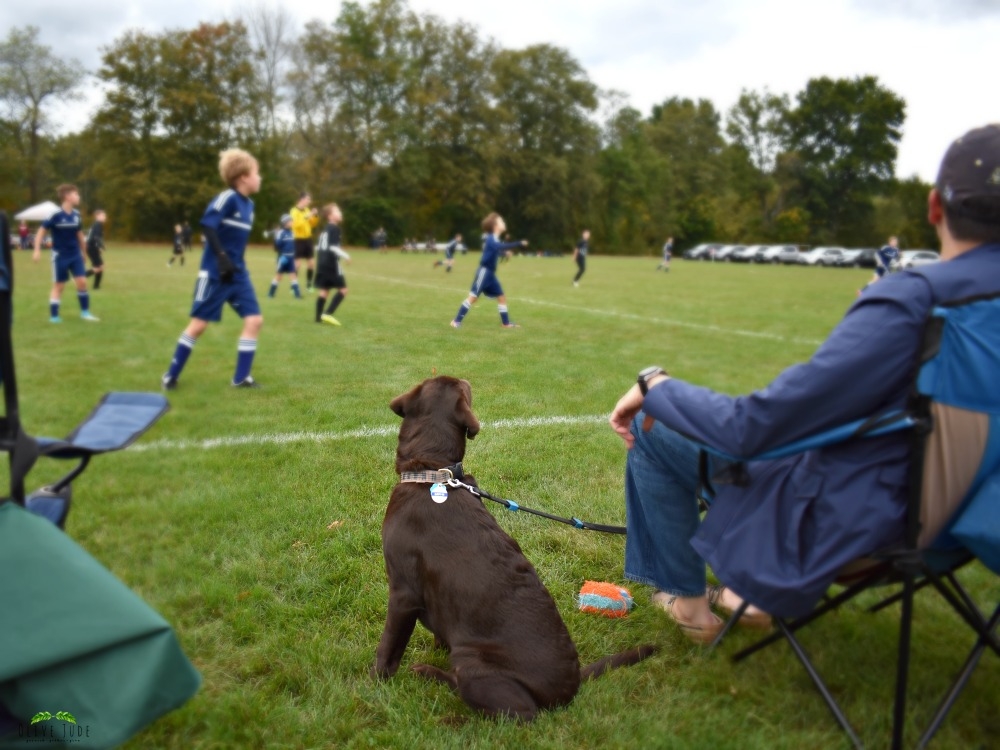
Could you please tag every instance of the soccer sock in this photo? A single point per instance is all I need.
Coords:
(463, 311)
(334, 303)
(309, 277)
(182, 260)
(319, 307)
(295, 288)
(98, 275)
(504, 317)
(244, 359)
(273, 289)
(90, 272)
(184, 346)
(84, 298)
(171, 261)
(54, 308)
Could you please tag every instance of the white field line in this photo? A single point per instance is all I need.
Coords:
(626, 316)
(286, 438)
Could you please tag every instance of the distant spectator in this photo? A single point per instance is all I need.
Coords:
(668, 250)
(580, 256)
(22, 232)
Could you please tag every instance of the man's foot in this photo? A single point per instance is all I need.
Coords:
(168, 383)
(702, 632)
(576, 283)
(89, 317)
(247, 382)
(330, 320)
(722, 598)
(455, 324)
(510, 325)
(55, 319)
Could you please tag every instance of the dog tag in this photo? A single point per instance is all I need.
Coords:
(439, 493)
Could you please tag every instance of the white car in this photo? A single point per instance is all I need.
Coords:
(724, 252)
(915, 258)
(770, 253)
(747, 254)
(821, 256)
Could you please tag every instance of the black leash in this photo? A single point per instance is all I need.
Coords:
(511, 505)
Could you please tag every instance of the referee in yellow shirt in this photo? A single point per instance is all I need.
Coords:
(304, 220)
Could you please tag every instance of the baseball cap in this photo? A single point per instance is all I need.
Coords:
(969, 178)
(285, 218)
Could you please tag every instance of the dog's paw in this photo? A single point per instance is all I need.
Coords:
(380, 672)
(433, 673)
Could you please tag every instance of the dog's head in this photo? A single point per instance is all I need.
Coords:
(437, 419)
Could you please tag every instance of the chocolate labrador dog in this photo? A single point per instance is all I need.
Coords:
(453, 568)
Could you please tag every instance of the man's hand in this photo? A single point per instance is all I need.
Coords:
(226, 268)
(625, 410)
(524, 243)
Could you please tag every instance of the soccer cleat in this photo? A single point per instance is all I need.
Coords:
(89, 317)
(329, 319)
(510, 325)
(576, 283)
(57, 319)
(168, 383)
(455, 324)
(247, 382)
(310, 290)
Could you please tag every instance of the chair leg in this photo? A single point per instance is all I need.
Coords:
(729, 625)
(838, 714)
(959, 685)
(903, 663)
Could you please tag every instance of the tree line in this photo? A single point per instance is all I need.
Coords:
(422, 126)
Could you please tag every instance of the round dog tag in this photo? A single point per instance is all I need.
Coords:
(439, 493)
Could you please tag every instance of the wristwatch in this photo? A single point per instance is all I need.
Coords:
(646, 375)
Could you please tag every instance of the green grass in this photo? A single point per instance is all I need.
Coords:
(280, 608)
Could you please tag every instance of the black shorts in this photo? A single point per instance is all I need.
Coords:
(178, 251)
(330, 280)
(96, 258)
(304, 249)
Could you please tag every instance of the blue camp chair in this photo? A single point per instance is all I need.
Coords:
(953, 514)
(95, 652)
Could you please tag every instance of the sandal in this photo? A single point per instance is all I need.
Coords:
(757, 619)
(698, 633)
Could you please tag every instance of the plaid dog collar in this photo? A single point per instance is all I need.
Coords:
(442, 476)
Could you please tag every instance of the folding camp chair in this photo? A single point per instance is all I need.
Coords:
(76, 645)
(953, 512)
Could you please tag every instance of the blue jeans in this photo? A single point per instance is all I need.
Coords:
(661, 511)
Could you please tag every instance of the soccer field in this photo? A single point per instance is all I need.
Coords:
(250, 518)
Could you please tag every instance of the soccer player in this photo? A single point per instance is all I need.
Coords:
(186, 238)
(668, 249)
(486, 281)
(580, 256)
(328, 273)
(284, 245)
(223, 277)
(449, 253)
(67, 255)
(179, 245)
(887, 258)
(304, 220)
(95, 248)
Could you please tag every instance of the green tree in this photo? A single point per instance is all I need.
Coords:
(845, 132)
(31, 79)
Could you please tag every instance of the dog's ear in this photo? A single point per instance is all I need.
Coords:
(465, 415)
(401, 404)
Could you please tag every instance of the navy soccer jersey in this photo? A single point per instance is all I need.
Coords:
(449, 249)
(230, 214)
(493, 249)
(65, 227)
(284, 243)
(581, 247)
(887, 255)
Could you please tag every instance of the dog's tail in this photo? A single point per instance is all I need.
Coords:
(622, 659)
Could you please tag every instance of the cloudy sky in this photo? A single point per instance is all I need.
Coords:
(939, 55)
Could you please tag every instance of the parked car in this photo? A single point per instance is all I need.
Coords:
(698, 252)
(769, 253)
(849, 259)
(821, 256)
(916, 258)
(747, 254)
(789, 254)
(725, 252)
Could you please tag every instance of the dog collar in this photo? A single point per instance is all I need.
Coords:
(442, 476)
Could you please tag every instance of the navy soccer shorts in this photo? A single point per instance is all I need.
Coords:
(63, 268)
(211, 294)
(486, 282)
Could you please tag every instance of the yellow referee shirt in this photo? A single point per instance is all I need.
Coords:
(303, 222)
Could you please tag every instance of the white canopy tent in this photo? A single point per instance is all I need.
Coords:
(41, 212)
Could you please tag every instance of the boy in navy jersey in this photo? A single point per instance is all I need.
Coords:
(67, 252)
(95, 248)
(223, 277)
(449, 253)
(668, 249)
(328, 273)
(284, 246)
(486, 281)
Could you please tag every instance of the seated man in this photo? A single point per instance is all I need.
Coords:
(779, 535)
